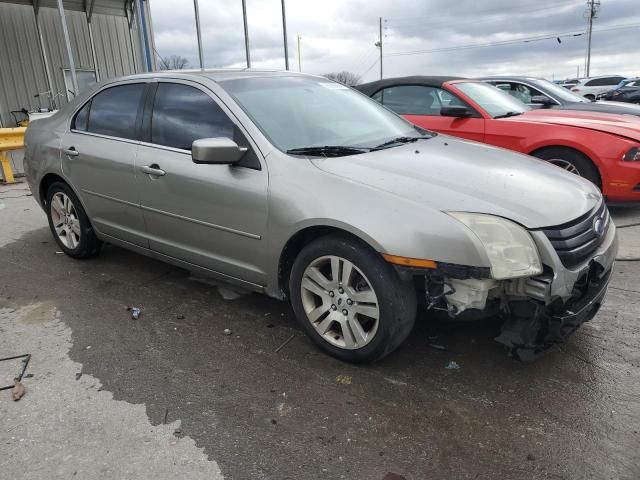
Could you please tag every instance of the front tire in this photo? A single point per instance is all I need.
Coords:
(349, 300)
(69, 223)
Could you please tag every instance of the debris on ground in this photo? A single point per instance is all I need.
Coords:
(227, 331)
(531, 457)
(228, 294)
(284, 344)
(452, 366)
(17, 392)
(393, 476)
(59, 253)
(437, 347)
(179, 316)
(135, 312)
(343, 379)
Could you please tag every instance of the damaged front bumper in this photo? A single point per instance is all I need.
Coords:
(537, 312)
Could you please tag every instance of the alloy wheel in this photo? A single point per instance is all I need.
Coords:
(565, 165)
(340, 302)
(65, 220)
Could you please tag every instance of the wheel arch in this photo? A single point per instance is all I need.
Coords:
(301, 238)
(48, 180)
(587, 156)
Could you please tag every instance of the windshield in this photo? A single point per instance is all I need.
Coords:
(561, 92)
(300, 112)
(493, 100)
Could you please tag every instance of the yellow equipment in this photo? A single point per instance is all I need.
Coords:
(10, 139)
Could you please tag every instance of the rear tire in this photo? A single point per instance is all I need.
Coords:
(572, 161)
(350, 301)
(69, 223)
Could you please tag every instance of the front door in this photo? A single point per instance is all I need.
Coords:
(98, 157)
(213, 216)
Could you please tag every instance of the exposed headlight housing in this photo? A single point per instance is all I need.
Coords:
(632, 155)
(511, 250)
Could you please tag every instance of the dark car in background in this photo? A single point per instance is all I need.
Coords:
(541, 93)
(627, 91)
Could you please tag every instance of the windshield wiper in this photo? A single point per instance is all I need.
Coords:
(396, 141)
(508, 114)
(327, 151)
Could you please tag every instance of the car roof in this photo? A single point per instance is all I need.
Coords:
(426, 81)
(217, 74)
(515, 78)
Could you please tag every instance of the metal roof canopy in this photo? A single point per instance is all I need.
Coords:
(106, 7)
(131, 9)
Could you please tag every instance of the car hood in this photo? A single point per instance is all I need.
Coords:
(622, 125)
(604, 107)
(450, 174)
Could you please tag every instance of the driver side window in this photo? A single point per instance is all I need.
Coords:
(182, 114)
(416, 99)
(519, 91)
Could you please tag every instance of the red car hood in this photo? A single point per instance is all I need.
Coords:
(622, 125)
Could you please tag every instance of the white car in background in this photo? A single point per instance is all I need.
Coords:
(590, 87)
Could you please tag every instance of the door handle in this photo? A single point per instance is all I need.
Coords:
(71, 152)
(154, 169)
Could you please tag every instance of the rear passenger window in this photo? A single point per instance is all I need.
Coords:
(182, 114)
(82, 117)
(114, 111)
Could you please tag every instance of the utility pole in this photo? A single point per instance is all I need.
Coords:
(379, 45)
(593, 7)
(246, 33)
(299, 55)
(284, 34)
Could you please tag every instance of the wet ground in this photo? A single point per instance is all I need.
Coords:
(172, 396)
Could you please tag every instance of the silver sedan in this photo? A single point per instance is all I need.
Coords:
(303, 189)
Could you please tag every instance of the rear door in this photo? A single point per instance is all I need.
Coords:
(421, 106)
(213, 216)
(98, 157)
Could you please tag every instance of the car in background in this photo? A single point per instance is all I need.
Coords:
(627, 91)
(603, 148)
(302, 188)
(589, 88)
(569, 83)
(541, 93)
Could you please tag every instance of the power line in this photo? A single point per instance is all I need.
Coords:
(369, 69)
(414, 19)
(510, 42)
(593, 7)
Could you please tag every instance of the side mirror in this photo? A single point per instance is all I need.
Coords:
(541, 100)
(455, 111)
(221, 151)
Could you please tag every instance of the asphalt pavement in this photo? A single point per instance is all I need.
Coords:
(214, 383)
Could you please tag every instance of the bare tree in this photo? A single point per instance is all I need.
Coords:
(173, 62)
(346, 78)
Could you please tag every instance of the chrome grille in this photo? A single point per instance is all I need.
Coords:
(575, 241)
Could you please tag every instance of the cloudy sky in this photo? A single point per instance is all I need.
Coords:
(426, 37)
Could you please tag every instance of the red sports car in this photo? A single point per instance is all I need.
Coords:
(604, 148)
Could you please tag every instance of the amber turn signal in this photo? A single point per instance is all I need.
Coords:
(409, 262)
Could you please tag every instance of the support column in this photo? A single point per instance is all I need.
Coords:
(198, 33)
(67, 42)
(88, 10)
(129, 15)
(43, 53)
(142, 31)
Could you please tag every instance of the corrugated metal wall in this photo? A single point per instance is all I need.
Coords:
(22, 73)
